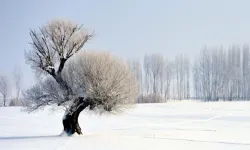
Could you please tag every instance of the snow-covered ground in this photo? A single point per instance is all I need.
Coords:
(173, 126)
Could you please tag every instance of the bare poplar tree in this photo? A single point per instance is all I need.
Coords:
(154, 76)
(186, 77)
(156, 62)
(211, 74)
(245, 72)
(203, 74)
(17, 74)
(156, 68)
(147, 79)
(168, 75)
(4, 88)
(181, 77)
(197, 82)
(234, 75)
(135, 67)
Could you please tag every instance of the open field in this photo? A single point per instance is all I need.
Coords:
(173, 126)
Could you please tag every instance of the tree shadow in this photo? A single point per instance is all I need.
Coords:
(27, 137)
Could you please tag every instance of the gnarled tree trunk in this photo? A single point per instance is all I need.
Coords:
(70, 120)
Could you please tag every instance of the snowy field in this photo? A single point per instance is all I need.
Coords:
(172, 126)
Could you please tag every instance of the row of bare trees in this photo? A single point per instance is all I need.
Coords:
(6, 86)
(161, 79)
(222, 74)
(216, 74)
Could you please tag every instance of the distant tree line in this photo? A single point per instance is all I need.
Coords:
(220, 74)
(9, 84)
(215, 74)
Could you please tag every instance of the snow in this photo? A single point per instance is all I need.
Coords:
(50, 67)
(174, 125)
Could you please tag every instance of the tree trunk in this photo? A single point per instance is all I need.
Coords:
(70, 120)
(4, 101)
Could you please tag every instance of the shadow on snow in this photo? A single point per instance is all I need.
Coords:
(27, 137)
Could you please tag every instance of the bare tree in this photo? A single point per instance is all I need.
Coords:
(94, 80)
(154, 67)
(146, 66)
(156, 62)
(202, 74)
(168, 75)
(17, 74)
(136, 69)
(187, 77)
(181, 74)
(245, 72)
(4, 88)
(212, 74)
(197, 82)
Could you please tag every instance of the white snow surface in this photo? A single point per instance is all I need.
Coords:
(172, 126)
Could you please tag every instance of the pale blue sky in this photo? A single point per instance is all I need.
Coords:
(128, 28)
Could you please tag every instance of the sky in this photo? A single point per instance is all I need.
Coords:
(127, 28)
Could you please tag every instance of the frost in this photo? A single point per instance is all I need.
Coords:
(82, 92)
(50, 67)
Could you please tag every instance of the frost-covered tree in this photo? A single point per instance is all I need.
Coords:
(154, 76)
(245, 72)
(167, 79)
(213, 73)
(4, 88)
(136, 69)
(153, 66)
(202, 75)
(147, 78)
(17, 74)
(96, 80)
(181, 74)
